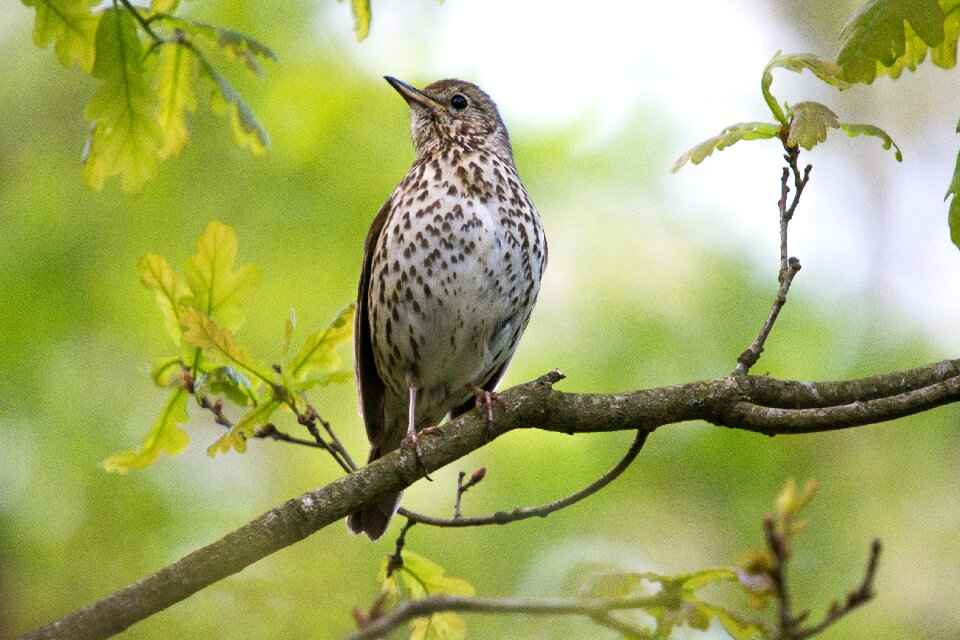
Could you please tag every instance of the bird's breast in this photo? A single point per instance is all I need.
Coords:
(456, 272)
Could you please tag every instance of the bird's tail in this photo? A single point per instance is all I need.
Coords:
(373, 519)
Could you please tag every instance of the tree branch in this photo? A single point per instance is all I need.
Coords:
(540, 511)
(598, 610)
(762, 405)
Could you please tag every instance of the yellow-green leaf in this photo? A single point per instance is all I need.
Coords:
(809, 122)
(224, 380)
(164, 437)
(885, 36)
(71, 25)
(953, 219)
(288, 328)
(236, 437)
(318, 355)
(361, 18)
(125, 136)
(728, 137)
(247, 131)
(167, 372)
(175, 75)
(421, 577)
(854, 130)
(169, 290)
(440, 626)
(218, 289)
(219, 344)
(828, 71)
(163, 6)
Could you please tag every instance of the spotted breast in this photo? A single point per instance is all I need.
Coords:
(451, 272)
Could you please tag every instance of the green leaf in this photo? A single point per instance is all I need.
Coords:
(738, 626)
(169, 291)
(219, 344)
(224, 99)
(361, 18)
(825, 70)
(884, 36)
(953, 219)
(175, 74)
(236, 437)
(164, 437)
(125, 135)
(440, 626)
(288, 328)
(163, 6)
(226, 381)
(167, 372)
(728, 137)
(854, 130)
(318, 357)
(219, 290)
(809, 122)
(236, 45)
(420, 577)
(71, 25)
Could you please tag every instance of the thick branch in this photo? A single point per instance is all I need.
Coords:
(744, 402)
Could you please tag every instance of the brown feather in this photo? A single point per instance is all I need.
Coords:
(370, 386)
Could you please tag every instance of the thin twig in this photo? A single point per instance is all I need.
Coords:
(598, 610)
(270, 432)
(780, 553)
(788, 266)
(144, 24)
(395, 561)
(543, 510)
(861, 595)
(462, 487)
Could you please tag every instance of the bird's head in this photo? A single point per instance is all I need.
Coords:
(454, 112)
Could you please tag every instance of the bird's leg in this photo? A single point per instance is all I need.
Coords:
(484, 404)
(412, 436)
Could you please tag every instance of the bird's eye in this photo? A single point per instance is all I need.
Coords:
(458, 102)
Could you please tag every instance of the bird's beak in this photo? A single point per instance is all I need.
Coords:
(412, 95)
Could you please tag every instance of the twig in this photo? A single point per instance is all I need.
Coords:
(462, 487)
(539, 511)
(395, 561)
(141, 21)
(861, 595)
(791, 626)
(598, 610)
(780, 554)
(788, 266)
(270, 432)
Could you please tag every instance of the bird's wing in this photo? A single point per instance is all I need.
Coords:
(370, 387)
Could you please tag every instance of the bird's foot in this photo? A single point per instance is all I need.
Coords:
(484, 405)
(413, 438)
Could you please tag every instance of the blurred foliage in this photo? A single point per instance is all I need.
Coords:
(640, 292)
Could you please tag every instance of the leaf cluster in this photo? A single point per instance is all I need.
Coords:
(201, 312)
(155, 68)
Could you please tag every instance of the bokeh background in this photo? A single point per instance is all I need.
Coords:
(654, 279)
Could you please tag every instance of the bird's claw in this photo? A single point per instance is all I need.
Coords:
(413, 438)
(484, 405)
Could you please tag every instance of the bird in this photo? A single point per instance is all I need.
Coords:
(451, 270)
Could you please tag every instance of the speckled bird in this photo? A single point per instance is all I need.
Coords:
(451, 271)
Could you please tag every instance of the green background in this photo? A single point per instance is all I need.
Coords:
(636, 295)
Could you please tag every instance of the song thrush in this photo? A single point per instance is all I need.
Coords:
(451, 270)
